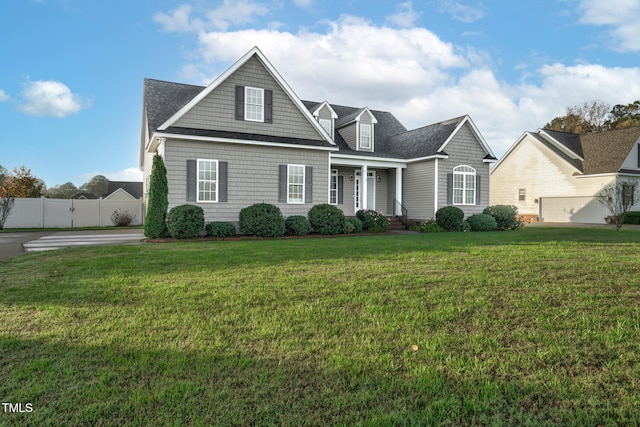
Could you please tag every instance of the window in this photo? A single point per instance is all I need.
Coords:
(207, 180)
(464, 185)
(627, 194)
(326, 124)
(295, 184)
(365, 136)
(254, 104)
(333, 187)
(522, 194)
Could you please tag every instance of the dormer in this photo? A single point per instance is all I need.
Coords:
(357, 129)
(325, 115)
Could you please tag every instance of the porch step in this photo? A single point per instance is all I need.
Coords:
(395, 224)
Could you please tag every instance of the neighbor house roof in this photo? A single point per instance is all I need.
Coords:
(131, 187)
(605, 152)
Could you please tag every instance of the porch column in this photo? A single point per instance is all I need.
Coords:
(397, 207)
(363, 187)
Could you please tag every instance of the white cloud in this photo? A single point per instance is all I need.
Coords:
(305, 4)
(622, 16)
(417, 76)
(50, 98)
(405, 16)
(461, 12)
(229, 13)
(4, 96)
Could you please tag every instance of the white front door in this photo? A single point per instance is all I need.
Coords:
(371, 191)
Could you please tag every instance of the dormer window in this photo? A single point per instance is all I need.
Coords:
(365, 136)
(326, 125)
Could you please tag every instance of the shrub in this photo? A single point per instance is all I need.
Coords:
(357, 224)
(632, 217)
(372, 220)
(482, 222)
(155, 225)
(121, 218)
(326, 219)
(505, 216)
(220, 229)
(428, 227)
(349, 227)
(450, 218)
(297, 225)
(185, 221)
(263, 220)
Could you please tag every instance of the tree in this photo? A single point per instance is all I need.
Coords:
(587, 118)
(618, 197)
(155, 225)
(21, 184)
(4, 174)
(6, 204)
(97, 185)
(64, 191)
(624, 116)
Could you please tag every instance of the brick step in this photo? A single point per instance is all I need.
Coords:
(395, 224)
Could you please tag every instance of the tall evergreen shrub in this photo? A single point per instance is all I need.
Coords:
(155, 225)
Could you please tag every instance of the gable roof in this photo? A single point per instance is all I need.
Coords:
(162, 99)
(590, 154)
(131, 187)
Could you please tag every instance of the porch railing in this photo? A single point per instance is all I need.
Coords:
(397, 206)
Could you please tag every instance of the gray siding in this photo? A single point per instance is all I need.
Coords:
(464, 149)
(418, 188)
(348, 133)
(252, 175)
(382, 193)
(324, 113)
(217, 110)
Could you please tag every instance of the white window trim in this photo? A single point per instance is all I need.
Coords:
(198, 180)
(246, 104)
(465, 188)
(360, 144)
(327, 123)
(333, 174)
(304, 178)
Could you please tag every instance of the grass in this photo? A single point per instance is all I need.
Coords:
(535, 327)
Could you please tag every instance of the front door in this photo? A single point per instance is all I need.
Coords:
(371, 191)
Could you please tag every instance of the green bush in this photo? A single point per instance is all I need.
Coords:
(349, 227)
(262, 219)
(326, 219)
(482, 222)
(428, 227)
(356, 223)
(372, 220)
(506, 216)
(185, 221)
(450, 218)
(631, 218)
(220, 229)
(297, 225)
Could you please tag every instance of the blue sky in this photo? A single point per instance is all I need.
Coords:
(71, 71)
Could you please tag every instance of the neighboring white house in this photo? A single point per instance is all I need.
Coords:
(555, 176)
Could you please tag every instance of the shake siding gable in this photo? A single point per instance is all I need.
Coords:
(217, 111)
(349, 134)
(464, 149)
(252, 175)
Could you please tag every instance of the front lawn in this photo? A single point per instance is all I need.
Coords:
(534, 327)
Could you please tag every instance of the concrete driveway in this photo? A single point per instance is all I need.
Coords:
(13, 244)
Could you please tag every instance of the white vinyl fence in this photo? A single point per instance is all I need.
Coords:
(69, 213)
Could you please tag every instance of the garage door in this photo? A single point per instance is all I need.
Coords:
(572, 209)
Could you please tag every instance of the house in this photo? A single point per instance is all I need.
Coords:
(247, 138)
(84, 195)
(555, 176)
(124, 190)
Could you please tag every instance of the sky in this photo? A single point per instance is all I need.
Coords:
(72, 71)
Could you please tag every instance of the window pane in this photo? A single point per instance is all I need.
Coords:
(253, 104)
(207, 180)
(296, 184)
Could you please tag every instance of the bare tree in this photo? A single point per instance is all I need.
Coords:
(6, 204)
(618, 197)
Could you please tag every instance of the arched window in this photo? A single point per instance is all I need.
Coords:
(464, 185)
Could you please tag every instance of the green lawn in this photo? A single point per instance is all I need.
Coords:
(534, 327)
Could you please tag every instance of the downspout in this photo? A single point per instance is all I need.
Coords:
(435, 192)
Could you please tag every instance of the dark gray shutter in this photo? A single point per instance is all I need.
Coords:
(192, 177)
(308, 184)
(340, 190)
(239, 102)
(222, 181)
(478, 188)
(449, 188)
(268, 106)
(282, 184)
(639, 155)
